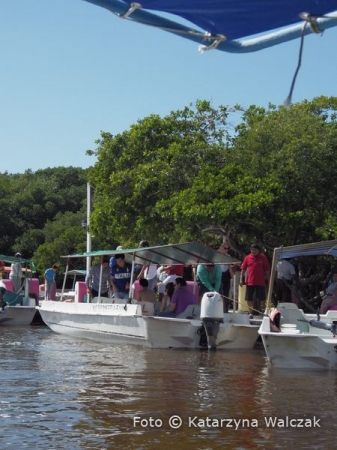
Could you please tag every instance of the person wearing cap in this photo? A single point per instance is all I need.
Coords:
(120, 277)
(93, 278)
(16, 274)
(112, 261)
(255, 272)
(49, 279)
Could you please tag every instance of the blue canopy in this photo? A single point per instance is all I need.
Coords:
(313, 249)
(223, 22)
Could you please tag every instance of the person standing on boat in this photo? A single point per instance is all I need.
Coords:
(227, 274)
(94, 276)
(148, 271)
(112, 261)
(209, 278)
(285, 273)
(120, 277)
(49, 279)
(16, 274)
(257, 267)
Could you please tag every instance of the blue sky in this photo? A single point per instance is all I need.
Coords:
(70, 70)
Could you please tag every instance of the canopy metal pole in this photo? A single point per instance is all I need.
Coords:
(100, 280)
(285, 34)
(64, 279)
(271, 279)
(234, 291)
(88, 226)
(131, 278)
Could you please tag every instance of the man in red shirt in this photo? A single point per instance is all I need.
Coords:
(255, 272)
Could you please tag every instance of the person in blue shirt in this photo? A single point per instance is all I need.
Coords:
(49, 277)
(120, 277)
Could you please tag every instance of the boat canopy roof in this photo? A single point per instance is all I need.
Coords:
(316, 248)
(13, 260)
(27, 264)
(77, 272)
(186, 253)
(224, 22)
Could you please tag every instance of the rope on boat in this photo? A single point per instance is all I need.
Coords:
(312, 22)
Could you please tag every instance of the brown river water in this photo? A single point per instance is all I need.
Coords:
(62, 393)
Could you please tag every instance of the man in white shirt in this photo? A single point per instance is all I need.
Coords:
(285, 274)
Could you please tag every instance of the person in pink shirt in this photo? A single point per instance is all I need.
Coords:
(255, 272)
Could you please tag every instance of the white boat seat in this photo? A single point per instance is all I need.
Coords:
(290, 314)
(28, 301)
(147, 308)
(190, 312)
(101, 300)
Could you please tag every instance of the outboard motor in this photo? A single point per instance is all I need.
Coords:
(211, 314)
(322, 325)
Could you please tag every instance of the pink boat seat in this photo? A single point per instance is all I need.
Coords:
(333, 308)
(193, 287)
(8, 284)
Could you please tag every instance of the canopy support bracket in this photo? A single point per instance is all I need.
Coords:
(312, 22)
(217, 40)
(133, 7)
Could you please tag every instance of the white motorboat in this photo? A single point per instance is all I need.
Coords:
(198, 326)
(18, 309)
(293, 339)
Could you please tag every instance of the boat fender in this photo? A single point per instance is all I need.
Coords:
(275, 321)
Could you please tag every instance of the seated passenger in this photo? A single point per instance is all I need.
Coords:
(332, 287)
(181, 298)
(166, 300)
(331, 295)
(145, 295)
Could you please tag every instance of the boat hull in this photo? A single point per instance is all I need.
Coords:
(301, 347)
(17, 316)
(301, 351)
(116, 323)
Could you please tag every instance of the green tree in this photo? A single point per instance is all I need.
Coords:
(276, 185)
(191, 176)
(31, 199)
(138, 171)
(62, 236)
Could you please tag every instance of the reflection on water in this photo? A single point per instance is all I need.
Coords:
(58, 392)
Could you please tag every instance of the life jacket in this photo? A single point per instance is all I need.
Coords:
(275, 321)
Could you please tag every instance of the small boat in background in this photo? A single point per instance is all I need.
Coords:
(19, 308)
